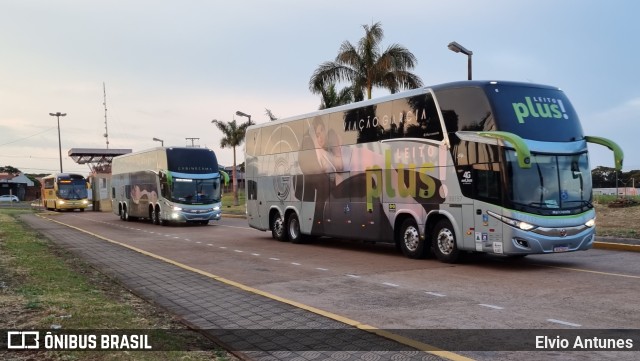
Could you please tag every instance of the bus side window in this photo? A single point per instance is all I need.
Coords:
(164, 185)
(478, 167)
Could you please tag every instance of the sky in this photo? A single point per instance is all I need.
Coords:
(170, 67)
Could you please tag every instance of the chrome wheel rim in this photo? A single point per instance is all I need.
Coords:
(445, 241)
(278, 226)
(411, 239)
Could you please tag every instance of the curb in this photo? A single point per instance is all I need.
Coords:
(617, 246)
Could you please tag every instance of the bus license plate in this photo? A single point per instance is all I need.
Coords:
(560, 249)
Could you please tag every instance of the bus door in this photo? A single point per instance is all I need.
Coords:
(340, 212)
(487, 196)
(253, 209)
(355, 208)
(488, 230)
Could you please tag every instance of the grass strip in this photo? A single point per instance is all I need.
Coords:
(45, 287)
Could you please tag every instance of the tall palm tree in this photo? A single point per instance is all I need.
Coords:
(233, 136)
(330, 97)
(366, 66)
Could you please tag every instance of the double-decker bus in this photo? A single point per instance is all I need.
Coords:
(477, 166)
(65, 191)
(172, 184)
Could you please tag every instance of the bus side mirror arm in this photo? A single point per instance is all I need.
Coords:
(522, 150)
(225, 177)
(618, 154)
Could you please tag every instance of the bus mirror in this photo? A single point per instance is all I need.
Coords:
(522, 150)
(618, 154)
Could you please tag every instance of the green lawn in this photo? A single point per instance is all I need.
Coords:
(44, 287)
(229, 208)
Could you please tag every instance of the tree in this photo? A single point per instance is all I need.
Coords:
(330, 97)
(233, 136)
(270, 114)
(365, 66)
(9, 169)
(603, 177)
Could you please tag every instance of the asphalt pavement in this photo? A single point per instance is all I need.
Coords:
(250, 325)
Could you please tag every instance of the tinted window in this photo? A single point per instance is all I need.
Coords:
(192, 160)
(465, 109)
(478, 168)
(414, 117)
(535, 113)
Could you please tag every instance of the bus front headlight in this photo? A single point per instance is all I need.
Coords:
(590, 223)
(176, 208)
(513, 222)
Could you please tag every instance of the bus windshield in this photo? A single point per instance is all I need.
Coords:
(72, 189)
(196, 191)
(555, 184)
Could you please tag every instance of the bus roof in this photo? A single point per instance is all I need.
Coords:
(452, 85)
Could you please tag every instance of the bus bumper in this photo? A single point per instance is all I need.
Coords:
(192, 216)
(520, 242)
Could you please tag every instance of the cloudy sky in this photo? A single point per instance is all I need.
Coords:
(170, 67)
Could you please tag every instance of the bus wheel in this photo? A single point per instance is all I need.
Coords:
(293, 229)
(125, 215)
(444, 242)
(155, 216)
(277, 228)
(410, 243)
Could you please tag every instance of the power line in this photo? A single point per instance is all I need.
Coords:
(31, 136)
(28, 156)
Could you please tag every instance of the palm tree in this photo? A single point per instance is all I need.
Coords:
(332, 98)
(233, 137)
(365, 66)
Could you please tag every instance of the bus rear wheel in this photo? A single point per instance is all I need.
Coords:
(293, 229)
(277, 228)
(410, 242)
(155, 216)
(444, 242)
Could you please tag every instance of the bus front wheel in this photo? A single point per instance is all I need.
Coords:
(444, 242)
(410, 242)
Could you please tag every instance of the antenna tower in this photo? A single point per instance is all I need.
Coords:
(106, 129)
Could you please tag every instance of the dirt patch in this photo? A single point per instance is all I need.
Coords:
(618, 222)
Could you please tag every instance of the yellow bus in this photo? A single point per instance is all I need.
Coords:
(65, 191)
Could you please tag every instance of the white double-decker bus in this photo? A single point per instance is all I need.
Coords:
(164, 185)
(494, 167)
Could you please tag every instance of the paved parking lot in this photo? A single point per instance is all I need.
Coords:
(246, 323)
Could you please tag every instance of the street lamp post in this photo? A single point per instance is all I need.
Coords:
(159, 140)
(58, 115)
(241, 114)
(457, 48)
